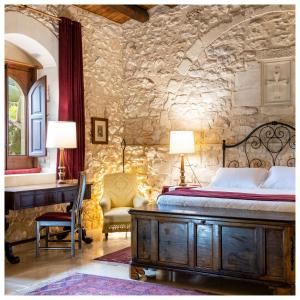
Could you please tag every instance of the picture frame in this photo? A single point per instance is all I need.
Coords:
(99, 130)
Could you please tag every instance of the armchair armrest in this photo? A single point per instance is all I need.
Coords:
(105, 204)
(139, 201)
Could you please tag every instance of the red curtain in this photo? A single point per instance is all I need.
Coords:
(71, 91)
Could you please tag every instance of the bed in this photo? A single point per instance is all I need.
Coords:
(245, 231)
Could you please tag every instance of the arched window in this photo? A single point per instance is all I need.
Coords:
(16, 126)
(25, 116)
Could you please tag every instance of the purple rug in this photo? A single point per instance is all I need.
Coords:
(122, 256)
(85, 284)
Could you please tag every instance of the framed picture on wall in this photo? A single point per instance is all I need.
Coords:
(99, 131)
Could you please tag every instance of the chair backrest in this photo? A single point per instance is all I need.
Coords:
(77, 204)
(120, 188)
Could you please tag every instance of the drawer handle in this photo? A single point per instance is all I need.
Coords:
(203, 222)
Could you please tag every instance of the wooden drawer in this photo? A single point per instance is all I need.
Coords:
(66, 196)
(29, 200)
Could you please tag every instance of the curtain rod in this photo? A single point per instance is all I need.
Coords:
(40, 12)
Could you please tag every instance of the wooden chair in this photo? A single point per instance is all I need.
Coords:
(70, 219)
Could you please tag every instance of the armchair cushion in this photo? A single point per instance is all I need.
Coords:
(117, 215)
(120, 189)
(139, 201)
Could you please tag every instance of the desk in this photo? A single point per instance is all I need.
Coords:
(22, 197)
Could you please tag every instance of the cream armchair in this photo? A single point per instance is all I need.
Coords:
(120, 193)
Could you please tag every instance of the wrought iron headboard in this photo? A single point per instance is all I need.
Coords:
(275, 138)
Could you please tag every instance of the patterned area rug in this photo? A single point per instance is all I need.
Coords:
(122, 256)
(85, 284)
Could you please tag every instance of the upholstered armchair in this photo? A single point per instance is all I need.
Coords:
(120, 193)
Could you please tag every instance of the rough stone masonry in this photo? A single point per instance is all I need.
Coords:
(187, 68)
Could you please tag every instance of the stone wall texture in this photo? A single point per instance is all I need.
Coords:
(184, 69)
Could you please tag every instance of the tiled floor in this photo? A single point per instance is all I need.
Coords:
(33, 272)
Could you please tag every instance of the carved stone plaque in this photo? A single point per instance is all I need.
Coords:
(276, 82)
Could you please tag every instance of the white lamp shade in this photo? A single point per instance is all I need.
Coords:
(182, 142)
(61, 134)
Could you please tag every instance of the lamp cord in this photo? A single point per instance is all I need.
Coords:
(195, 176)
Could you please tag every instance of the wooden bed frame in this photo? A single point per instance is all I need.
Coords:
(256, 246)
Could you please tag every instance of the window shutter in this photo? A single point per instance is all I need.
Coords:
(37, 118)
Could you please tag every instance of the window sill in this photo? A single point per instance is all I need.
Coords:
(22, 171)
(29, 179)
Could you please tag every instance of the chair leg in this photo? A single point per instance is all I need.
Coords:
(47, 236)
(72, 240)
(106, 236)
(126, 235)
(79, 237)
(37, 236)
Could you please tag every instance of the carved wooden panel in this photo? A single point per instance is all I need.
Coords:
(274, 250)
(239, 249)
(144, 239)
(204, 252)
(173, 242)
(260, 249)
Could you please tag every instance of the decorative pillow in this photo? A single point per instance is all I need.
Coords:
(239, 177)
(280, 178)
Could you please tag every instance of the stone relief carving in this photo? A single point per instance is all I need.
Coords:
(276, 82)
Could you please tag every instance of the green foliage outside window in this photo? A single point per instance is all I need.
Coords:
(15, 101)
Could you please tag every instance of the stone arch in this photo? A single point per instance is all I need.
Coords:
(33, 37)
(197, 50)
(36, 39)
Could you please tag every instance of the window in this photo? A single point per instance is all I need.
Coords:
(16, 119)
(25, 116)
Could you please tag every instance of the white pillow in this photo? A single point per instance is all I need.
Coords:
(239, 177)
(280, 178)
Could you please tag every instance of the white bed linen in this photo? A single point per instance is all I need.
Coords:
(189, 201)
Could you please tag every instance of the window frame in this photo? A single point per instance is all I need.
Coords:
(14, 162)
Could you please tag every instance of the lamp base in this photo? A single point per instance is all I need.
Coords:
(61, 167)
(182, 177)
(61, 175)
(182, 184)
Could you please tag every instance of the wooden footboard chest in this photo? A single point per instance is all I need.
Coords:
(249, 245)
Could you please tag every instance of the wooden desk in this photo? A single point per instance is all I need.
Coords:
(22, 197)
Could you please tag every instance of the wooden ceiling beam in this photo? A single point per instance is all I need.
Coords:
(132, 11)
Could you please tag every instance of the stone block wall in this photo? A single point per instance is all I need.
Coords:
(199, 68)
(103, 71)
(187, 68)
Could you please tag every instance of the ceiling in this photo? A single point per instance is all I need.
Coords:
(121, 13)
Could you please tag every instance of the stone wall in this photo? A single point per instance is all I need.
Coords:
(102, 60)
(184, 69)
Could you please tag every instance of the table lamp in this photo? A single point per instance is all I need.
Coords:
(61, 135)
(182, 142)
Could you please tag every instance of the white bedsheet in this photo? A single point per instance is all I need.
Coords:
(189, 201)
